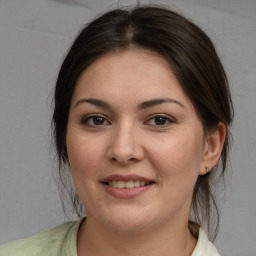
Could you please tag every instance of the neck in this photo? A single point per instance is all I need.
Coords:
(168, 239)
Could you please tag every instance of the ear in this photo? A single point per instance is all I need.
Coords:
(214, 142)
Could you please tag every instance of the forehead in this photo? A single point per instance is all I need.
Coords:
(131, 71)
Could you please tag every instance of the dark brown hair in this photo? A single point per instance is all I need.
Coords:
(194, 61)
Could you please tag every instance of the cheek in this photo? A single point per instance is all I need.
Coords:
(85, 156)
(178, 159)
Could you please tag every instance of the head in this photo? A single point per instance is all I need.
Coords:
(192, 59)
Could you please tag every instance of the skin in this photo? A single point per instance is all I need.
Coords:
(164, 143)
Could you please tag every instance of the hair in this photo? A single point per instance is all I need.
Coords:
(194, 61)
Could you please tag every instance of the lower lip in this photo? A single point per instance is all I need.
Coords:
(126, 193)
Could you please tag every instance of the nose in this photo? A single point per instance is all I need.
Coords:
(125, 147)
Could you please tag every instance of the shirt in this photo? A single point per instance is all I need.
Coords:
(62, 241)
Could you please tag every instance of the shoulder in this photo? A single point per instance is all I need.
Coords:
(50, 242)
(204, 246)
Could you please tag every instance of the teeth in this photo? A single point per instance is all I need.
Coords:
(136, 183)
(142, 183)
(129, 184)
(114, 183)
(120, 184)
(126, 184)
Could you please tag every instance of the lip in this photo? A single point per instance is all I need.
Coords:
(125, 178)
(126, 193)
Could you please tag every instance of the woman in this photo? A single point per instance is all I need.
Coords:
(141, 118)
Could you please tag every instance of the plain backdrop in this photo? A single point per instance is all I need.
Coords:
(34, 37)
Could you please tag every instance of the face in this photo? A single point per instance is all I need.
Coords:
(135, 143)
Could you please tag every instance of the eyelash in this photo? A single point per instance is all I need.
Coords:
(165, 118)
(85, 121)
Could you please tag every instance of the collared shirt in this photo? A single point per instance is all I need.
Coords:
(62, 241)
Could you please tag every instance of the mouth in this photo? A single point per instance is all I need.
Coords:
(128, 184)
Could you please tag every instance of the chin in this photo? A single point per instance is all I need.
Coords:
(128, 221)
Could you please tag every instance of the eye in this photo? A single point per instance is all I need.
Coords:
(95, 120)
(160, 121)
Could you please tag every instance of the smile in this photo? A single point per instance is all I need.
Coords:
(127, 184)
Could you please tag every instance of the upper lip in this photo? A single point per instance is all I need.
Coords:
(124, 178)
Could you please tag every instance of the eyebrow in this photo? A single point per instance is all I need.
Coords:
(143, 105)
(96, 102)
(155, 102)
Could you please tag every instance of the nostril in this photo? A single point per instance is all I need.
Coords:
(132, 159)
(123, 160)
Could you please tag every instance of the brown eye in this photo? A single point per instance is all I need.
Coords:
(95, 120)
(159, 121)
(98, 120)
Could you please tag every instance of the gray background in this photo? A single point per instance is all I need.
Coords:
(34, 36)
